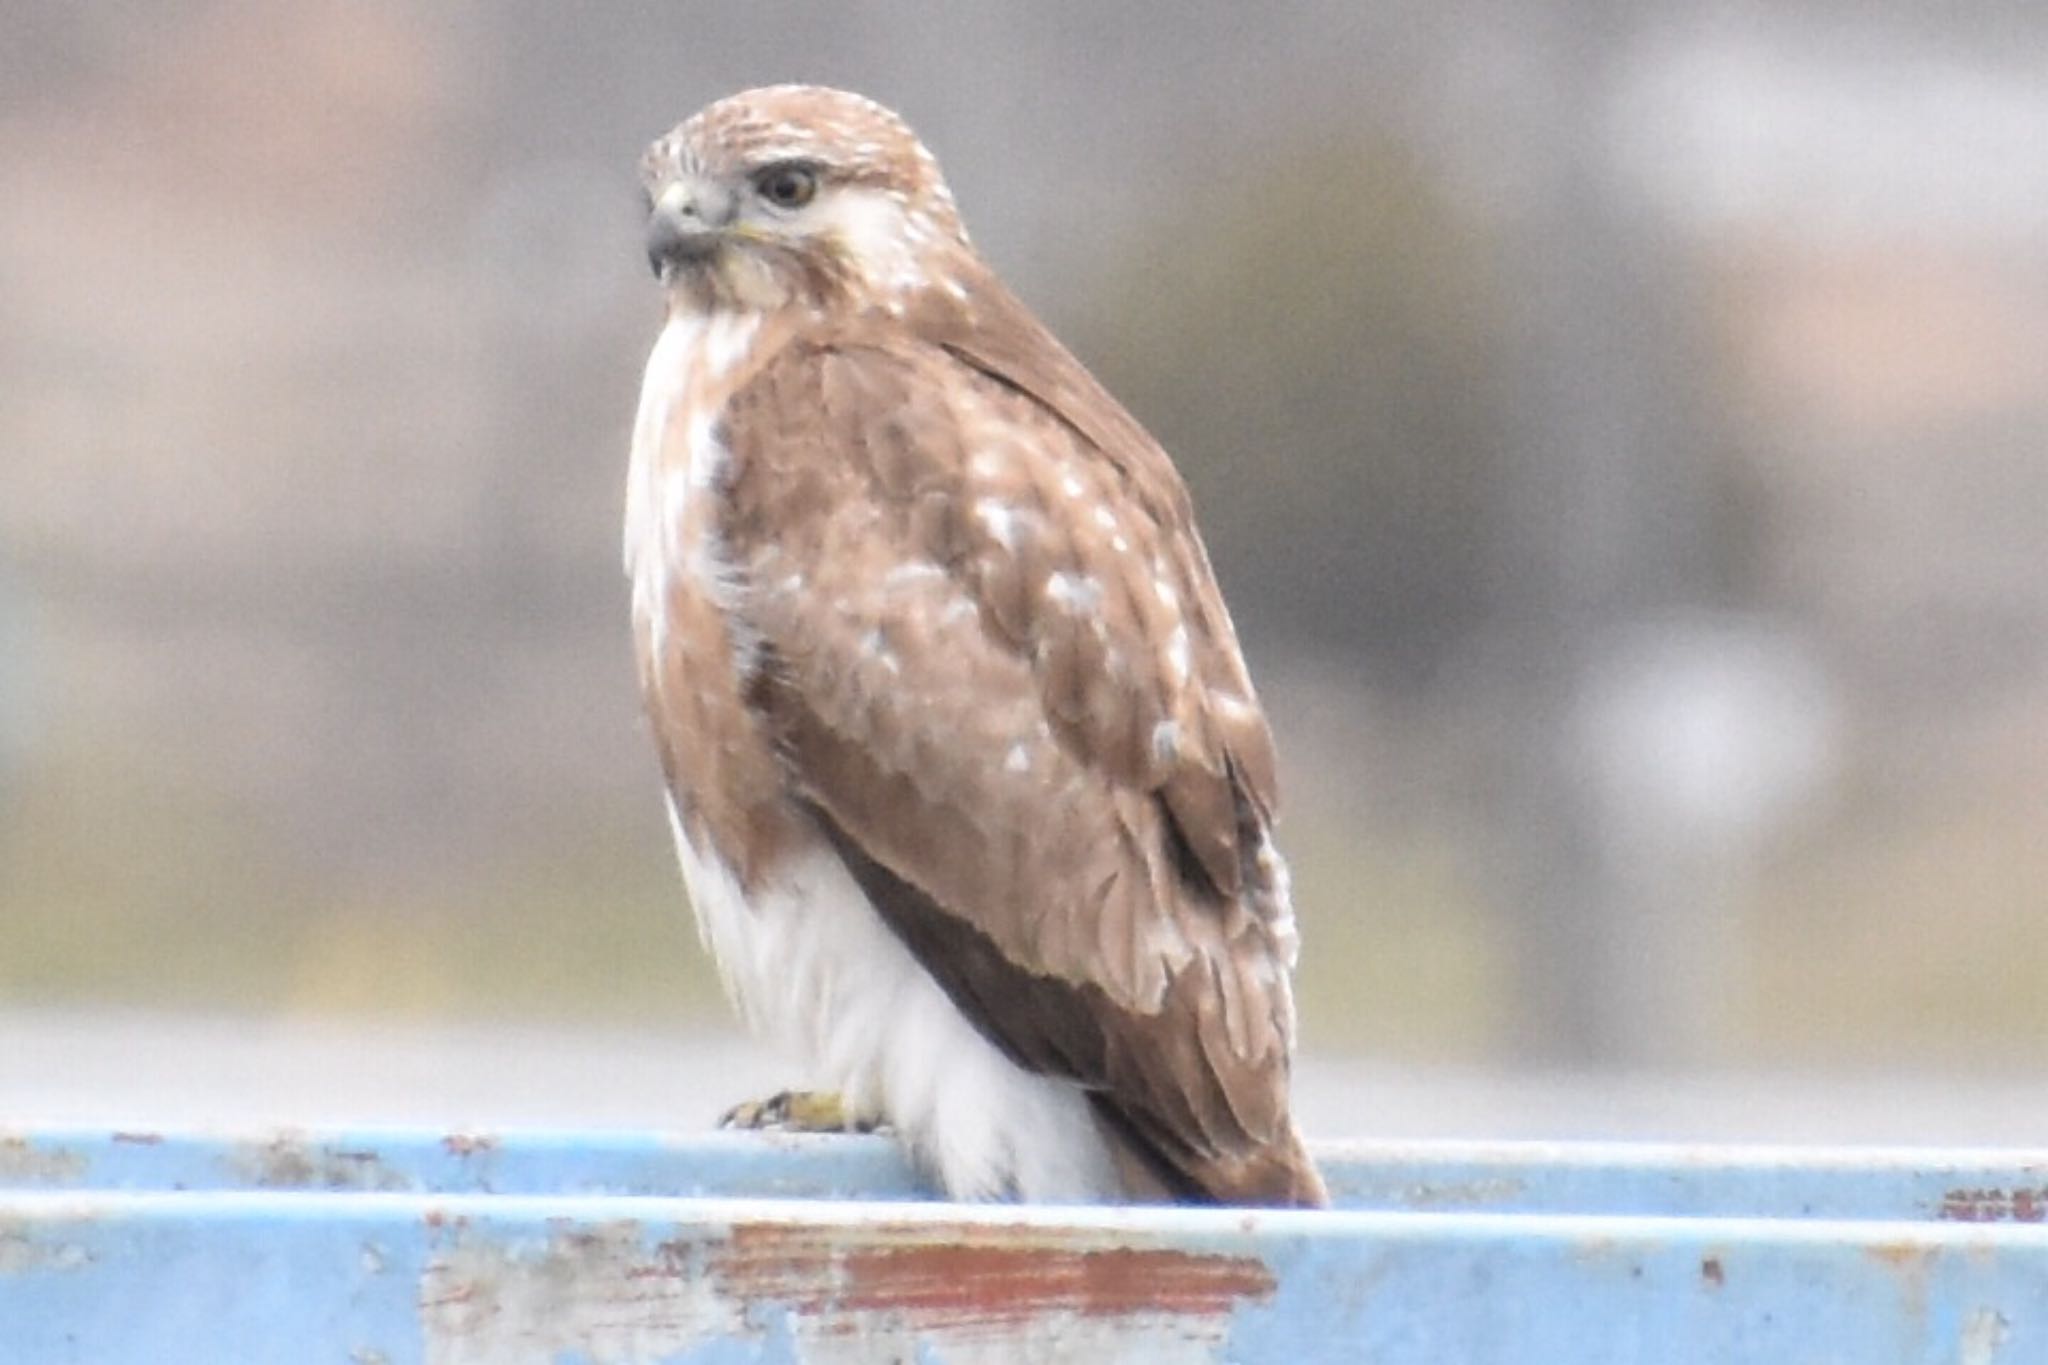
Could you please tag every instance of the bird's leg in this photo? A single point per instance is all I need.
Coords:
(799, 1111)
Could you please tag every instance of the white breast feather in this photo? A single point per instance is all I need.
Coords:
(811, 965)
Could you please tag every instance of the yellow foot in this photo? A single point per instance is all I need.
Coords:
(799, 1111)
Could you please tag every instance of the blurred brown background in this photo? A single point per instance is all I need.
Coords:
(1622, 431)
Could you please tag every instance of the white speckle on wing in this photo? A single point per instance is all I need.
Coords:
(1018, 760)
(960, 609)
(1166, 741)
(876, 646)
(1163, 590)
(1177, 659)
(1071, 485)
(1077, 593)
(1286, 937)
(1104, 518)
(912, 572)
(1001, 520)
(1233, 707)
(1119, 544)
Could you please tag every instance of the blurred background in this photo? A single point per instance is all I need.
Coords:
(1621, 429)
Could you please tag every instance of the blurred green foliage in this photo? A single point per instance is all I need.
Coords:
(1321, 363)
(122, 896)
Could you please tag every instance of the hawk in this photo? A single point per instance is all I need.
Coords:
(972, 794)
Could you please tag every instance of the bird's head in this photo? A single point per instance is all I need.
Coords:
(796, 194)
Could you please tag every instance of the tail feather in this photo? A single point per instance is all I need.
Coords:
(1278, 1174)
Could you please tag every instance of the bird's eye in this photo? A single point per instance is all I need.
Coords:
(788, 186)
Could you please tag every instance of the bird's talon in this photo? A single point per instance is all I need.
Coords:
(797, 1111)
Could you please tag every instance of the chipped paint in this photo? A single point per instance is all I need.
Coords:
(292, 1161)
(1994, 1205)
(469, 1144)
(598, 1293)
(26, 1249)
(952, 1276)
(967, 1292)
(1983, 1335)
(23, 1162)
(1479, 1193)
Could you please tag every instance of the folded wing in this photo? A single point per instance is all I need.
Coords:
(998, 673)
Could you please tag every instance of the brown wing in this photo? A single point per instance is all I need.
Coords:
(999, 672)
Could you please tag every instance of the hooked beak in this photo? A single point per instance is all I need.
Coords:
(687, 222)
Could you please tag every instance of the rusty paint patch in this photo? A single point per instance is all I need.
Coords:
(290, 1162)
(1905, 1257)
(23, 1162)
(1712, 1271)
(2022, 1204)
(952, 1276)
(1909, 1264)
(438, 1220)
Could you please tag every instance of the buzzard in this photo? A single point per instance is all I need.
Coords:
(972, 794)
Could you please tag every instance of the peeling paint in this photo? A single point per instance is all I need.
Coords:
(604, 1249)
(1484, 1192)
(290, 1161)
(27, 1163)
(469, 1144)
(939, 1276)
(887, 1292)
(24, 1251)
(591, 1293)
(1983, 1335)
(963, 1296)
(1995, 1205)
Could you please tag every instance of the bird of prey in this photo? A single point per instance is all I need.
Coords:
(972, 794)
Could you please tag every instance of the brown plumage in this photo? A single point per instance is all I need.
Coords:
(929, 641)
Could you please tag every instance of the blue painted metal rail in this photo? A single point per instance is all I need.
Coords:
(389, 1248)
